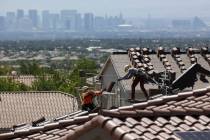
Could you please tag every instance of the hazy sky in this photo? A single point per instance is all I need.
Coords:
(129, 8)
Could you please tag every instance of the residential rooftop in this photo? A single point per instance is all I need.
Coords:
(26, 107)
(157, 119)
(155, 61)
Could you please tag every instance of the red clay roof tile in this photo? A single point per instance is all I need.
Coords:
(119, 132)
(46, 137)
(157, 119)
(162, 121)
(130, 136)
(150, 136)
(204, 119)
(109, 126)
(200, 127)
(59, 132)
(140, 105)
(54, 138)
(177, 111)
(193, 111)
(34, 135)
(141, 113)
(124, 113)
(38, 104)
(169, 128)
(161, 112)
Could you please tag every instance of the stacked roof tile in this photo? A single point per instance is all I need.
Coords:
(174, 61)
(140, 58)
(157, 119)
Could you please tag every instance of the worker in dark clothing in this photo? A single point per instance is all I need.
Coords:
(138, 76)
(87, 98)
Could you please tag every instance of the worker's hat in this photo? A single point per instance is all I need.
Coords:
(126, 67)
(85, 88)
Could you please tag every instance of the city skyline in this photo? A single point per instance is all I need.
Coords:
(73, 20)
(65, 20)
(133, 8)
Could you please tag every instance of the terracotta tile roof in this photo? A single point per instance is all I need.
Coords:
(156, 119)
(52, 130)
(177, 63)
(25, 107)
(25, 79)
(153, 120)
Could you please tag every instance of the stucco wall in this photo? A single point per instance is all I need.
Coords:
(110, 75)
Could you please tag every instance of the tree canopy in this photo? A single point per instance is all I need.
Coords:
(49, 79)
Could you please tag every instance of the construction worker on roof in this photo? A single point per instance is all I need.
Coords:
(87, 96)
(138, 76)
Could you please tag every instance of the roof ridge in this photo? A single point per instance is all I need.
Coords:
(19, 92)
(58, 124)
(139, 109)
(165, 99)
